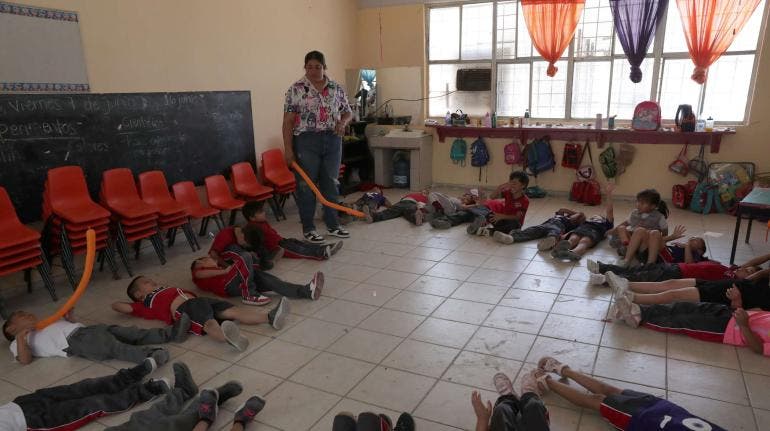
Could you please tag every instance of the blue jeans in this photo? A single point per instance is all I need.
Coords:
(319, 154)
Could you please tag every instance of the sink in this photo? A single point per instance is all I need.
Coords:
(400, 133)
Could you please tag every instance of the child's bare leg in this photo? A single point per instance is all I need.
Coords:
(247, 316)
(213, 329)
(660, 286)
(237, 426)
(584, 244)
(654, 245)
(594, 385)
(201, 426)
(638, 238)
(622, 234)
(687, 294)
(575, 396)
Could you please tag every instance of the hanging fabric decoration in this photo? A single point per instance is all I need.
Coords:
(551, 25)
(635, 24)
(710, 26)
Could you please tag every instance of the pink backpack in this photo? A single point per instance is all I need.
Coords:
(513, 154)
(646, 116)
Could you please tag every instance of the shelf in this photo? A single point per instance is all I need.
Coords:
(712, 139)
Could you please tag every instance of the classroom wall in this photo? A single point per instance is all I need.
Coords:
(184, 45)
(402, 36)
(649, 168)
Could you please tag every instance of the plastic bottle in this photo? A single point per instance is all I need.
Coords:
(526, 117)
(448, 118)
(700, 125)
(709, 126)
(487, 120)
(494, 119)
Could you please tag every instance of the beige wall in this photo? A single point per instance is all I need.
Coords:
(649, 168)
(403, 36)
(186, 45)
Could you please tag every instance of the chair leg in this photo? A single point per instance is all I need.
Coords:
(204, 225)
(157, 244)
(220, 222)
(233, 215)
(137, 248)
(192, 234)
(274, 208)
(28, 279)
(110, 256)
(46, 277)
(122, 246)
(280, 207)
(3, 311)
(187, 230)
(66, 257)
(171, 236)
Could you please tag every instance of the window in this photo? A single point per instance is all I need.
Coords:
(593, 74)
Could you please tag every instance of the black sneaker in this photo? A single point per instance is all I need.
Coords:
(207, 405)
(249, 410)
(160, 356)
(181, 329)
(477, 224)
(158, 386)
(277, 315)
(229, 390)
(313, 236)
(183, 379)
(332, 249)
(339, 232)
(404, 423)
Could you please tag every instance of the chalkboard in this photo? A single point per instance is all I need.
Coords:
(186, 135)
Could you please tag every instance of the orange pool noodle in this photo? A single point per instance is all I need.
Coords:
(90, 257)
(320, 197)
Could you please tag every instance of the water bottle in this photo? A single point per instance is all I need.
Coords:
(709, 126)
(494, 119)
(700, 125)
(526, 117)
(448, 118)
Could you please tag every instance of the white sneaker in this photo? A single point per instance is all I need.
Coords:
(619, 285)
(313, 236)
(592, 266)
(502, 237)
(332, 249)
(546, 243)
(233, 335)
(627, 311)
(316, 285)
(597, 279)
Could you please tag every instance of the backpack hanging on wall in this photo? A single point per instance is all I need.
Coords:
(513, 154)
(539, 156)
(679, 166)
(479, 155)
(608, 163)
(698, 166)
(573, 153)
(586, 189)
(459, 151)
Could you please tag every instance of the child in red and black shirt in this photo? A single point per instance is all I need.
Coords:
(208, 315)
(411, 207)
(293, 248)
(505, 213)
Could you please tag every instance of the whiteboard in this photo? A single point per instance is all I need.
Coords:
(41, 50)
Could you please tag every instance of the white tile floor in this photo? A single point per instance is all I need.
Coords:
(414, 319)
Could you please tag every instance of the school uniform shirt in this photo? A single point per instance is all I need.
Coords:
(417, 197)
(157, 305)
(219, 283)
(49, 341)
(707, 270)
(270, 237)
(674, 253)
(317, 111)
(667, 416)
(12, 418)
(224, 238)
(517, 204)
(651, 220)
(759, 322)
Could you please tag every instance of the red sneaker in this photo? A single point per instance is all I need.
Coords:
(256, 300)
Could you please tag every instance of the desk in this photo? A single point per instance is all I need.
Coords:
(756, 203)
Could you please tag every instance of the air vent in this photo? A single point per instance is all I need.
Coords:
(474, 79)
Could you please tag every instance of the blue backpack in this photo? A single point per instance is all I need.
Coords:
(706, 199)
(459, 151)
(539, 156)
(479, 155)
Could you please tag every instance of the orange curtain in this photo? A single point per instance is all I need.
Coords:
(551, 25)
(710, 26)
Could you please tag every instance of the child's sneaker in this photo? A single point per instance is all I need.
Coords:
(277, 315)
(551, 365)
(419, 217)
(502, 384)
(183, 379)
(332, 249)
(313, 236)
(546, 243)
(484, 231)
(596, 279)
(502, 237)
(440, 223)
(534, 381)
(180, 330)
(233, 335)
(256, 300)
(158, 386)
(249, 410)
(619, 285)
(627, 311)
(405, 422)
(477, 224)
(160, 356)
(562, 245)
(316, 285)
(229, 390)
(339, 232)
(592, 266)
(207, 405)
(561, 254)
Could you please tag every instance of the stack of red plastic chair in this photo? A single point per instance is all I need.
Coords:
(187, 196)
(69, 212)
(171, 214)
(277, 174)
(20, 248)
(133, 219)
(219, 197)
(248, 188)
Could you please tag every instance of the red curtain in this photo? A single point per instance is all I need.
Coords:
(710, 26)
(551, 26)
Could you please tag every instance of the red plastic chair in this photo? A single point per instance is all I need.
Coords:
(219, 197)
(134, 219)
(276, 172)
(172, 215)
(20, 248)
(185, 194)
(69, 199)
(247, 187)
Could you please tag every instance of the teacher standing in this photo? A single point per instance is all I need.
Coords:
(315, 115)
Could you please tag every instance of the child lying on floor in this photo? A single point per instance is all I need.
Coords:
(240, 280)
(208, 315)
(66, 337)
(254, 213)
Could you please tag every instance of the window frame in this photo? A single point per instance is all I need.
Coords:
(655, 54)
